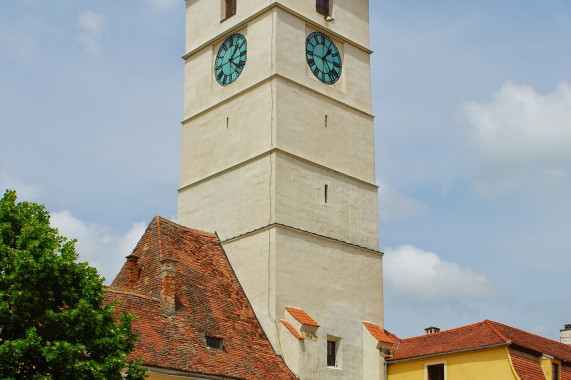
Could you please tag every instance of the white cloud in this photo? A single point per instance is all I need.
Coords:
(98, 245)
(92, 26)
(522, 139)
(163, 4)
(393, 205)
(411, 273)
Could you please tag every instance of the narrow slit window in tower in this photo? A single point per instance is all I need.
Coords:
(325, 193)
(325, 121)
(322, 6)
(227, 122)
(331, 353)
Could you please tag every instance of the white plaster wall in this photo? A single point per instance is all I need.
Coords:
(338, 286)
(253, 260)
(345, 145)
(231, 204)
(354, 86)
(227, 136)
(204, 18)
(276, 44)
(350, 213)
(201, 91)
(373, 362)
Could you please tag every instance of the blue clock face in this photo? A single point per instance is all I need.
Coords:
(231, 59)
(323, 58)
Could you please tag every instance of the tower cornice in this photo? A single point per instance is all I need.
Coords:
(266, 80)
(280, 151)
(266, 9)
(305, 232)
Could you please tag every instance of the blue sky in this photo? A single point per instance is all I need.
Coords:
(473, 136)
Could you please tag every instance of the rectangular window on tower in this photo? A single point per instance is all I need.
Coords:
(331, 353)
(230, 8)
(322, 6)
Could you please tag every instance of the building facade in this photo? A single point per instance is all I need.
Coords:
(278, 161)
(484, 350)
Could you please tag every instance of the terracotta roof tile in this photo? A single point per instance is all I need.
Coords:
(380, 334)
(566, 371)
(534, 342)
(209, 302)
(301, 316)
(528, 367)
(478, 335)
(291, 329)
(465, 337)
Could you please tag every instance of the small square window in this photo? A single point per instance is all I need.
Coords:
(322, 6)
(214, 342)
(435, 371)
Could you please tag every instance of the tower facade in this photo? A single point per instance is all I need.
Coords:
(278, 160)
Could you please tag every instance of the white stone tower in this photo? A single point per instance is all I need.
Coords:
(279, 161)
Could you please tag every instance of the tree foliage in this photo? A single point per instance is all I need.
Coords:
(53, 321)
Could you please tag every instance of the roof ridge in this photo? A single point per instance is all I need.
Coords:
(495, 330)
(443, 331)
(177, 225)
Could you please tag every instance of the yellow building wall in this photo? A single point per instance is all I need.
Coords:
(546, 366)
(493, 363)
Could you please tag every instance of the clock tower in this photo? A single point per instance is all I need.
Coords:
(278, 160)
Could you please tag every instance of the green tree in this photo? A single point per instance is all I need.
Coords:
(53, 321)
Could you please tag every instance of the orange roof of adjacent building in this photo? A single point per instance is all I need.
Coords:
(524, 347)
(209, 302)
(301, 316)
(479, 335)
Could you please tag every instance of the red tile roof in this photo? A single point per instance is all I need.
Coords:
(209, 302)
(380, 334)
(479, 335)
(301, 316)
(291, 329)
(528, 367)
(534, 342)
(565, 372)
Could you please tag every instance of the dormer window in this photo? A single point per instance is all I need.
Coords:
(214, 342)
(230, 8)
(555, 371)
(322, 6)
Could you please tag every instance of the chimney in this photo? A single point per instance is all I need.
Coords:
(168, 285)
(431, 330)
(565, 336)
(132, 270)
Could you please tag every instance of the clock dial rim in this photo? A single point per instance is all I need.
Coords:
(230, 59)
(326, 71)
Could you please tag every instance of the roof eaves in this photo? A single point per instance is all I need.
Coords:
(291, 329)
(448, 352)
